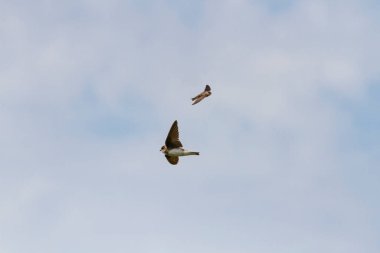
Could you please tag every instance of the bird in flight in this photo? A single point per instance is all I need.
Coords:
(201, 96)
(173, 147)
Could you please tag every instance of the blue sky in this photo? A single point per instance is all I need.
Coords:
(288, 141)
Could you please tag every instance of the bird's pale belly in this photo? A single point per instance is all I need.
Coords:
(178, 152)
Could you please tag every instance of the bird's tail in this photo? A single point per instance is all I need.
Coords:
(194, 153)
(193, 98)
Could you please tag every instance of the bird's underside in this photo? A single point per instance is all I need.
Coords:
(198, 98)
(173, 147)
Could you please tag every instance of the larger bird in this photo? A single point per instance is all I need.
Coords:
(201, 96)
(173, 147)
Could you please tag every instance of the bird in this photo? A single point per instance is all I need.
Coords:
(202, 95)
(173, 147)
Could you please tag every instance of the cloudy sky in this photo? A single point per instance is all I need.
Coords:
(289, 140)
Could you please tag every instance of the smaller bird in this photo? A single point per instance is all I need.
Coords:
(201, 96)
(173, 147)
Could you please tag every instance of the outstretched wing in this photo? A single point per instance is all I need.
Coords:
(197, 96)
(172, 141)
(208, 88)
(199, 99)
(172, 159)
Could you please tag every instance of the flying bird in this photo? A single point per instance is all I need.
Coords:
(201, 96)
(173, 147)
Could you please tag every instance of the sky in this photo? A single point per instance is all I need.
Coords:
(289, 142)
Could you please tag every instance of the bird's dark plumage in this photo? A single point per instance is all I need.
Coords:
(172, 141)
(172, 159)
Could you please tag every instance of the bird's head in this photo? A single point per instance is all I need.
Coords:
(164, 149)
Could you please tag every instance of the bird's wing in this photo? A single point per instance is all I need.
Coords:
(172, 141)
(172, 159)
(208, 88)
(197, 96)
(198, 100)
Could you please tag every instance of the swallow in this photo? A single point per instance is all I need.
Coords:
(201, 96)
(173, 147)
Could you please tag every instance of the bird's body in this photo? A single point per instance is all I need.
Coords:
(180, 152)
(198, 98)
(173, 147)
